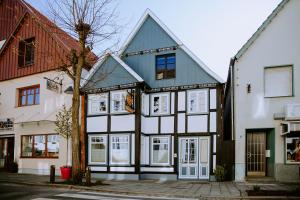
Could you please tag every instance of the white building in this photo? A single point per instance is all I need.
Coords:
(263, 99)
(32, 89)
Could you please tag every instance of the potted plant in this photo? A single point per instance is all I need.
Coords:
(63, 128)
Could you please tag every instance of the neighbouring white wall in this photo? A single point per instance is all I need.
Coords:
(278, 44)
(35, 119)
(50, 101)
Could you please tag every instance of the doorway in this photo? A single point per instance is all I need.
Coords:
(6, 152)
(193, 158)
(256, 154)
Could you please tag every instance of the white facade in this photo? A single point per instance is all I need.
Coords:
(258, 92)
(35, 120)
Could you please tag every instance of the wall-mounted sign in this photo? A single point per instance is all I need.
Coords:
(129, 101)
(53, 86)
(6, 124)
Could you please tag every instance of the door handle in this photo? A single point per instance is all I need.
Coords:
(249, 155)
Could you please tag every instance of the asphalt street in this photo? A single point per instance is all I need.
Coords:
(9, 191)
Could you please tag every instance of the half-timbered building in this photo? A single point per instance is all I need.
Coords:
(153, 110)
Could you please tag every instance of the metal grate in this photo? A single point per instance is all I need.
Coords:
(256, 158)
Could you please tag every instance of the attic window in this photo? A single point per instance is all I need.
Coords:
(26, 52)
(165, 66)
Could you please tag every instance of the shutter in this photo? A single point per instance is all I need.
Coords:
(164, 104)
(21, 53)
(278, 81)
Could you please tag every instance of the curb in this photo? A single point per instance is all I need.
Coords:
(85, 188)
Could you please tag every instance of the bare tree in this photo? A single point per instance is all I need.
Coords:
(91, 22)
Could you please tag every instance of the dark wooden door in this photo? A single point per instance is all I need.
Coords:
(6, 152)
(10, 152)
(256, 157)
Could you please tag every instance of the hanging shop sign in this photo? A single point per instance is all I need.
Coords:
(6, 124)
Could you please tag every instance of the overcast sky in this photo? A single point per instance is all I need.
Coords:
(213, 29)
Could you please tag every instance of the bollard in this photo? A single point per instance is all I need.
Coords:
(88, 177)
(52, 174)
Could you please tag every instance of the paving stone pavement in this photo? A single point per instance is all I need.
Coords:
(182, 188)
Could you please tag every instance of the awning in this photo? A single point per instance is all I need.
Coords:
(288, 127)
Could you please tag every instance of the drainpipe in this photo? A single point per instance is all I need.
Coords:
(231, 68)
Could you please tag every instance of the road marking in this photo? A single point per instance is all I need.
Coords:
(43, 199)
(84, 196)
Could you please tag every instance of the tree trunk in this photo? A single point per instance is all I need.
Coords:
(76, 174)
(77, 69)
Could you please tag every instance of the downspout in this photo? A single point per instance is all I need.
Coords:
(232, 62)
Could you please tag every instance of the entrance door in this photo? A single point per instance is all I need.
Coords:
(256, 158)
(6, 152)
(188, 158)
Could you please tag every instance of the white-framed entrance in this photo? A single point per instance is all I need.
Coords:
(194, 153)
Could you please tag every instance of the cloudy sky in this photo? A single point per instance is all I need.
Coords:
(213, 29)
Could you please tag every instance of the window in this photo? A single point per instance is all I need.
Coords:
(119, 146)
(122, 101)
(40, 146)
(29, 96)
(97, 104)
(278, 81)
(97, 149)
(293, 149)
(26, 52)
(160, 104)
(160, 154)
(165, 66)
(197, 101)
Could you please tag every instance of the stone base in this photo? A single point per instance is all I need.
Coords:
(37, 171)
(287, 172)
(115, 176)
(161, 177)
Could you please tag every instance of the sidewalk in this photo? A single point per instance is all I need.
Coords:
(179, 189)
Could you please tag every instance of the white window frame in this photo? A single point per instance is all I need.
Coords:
(111, 150)
(123, 94)
(167, 94)
(97, 98)
(286, 159)
(169, 150)
(291, 81)
(90, 149)
(189, 92)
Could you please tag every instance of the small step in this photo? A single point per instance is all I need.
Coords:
(260, 179)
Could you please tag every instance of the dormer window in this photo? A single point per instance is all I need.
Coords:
(165, 66)
(26, 52)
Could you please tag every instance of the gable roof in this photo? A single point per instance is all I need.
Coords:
(264, 25)
(53, 30)
(149, 13)
(97, 66)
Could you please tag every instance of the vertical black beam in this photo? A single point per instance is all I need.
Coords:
(176, 133)
(85, 129)
(108, 131)
(137, 140)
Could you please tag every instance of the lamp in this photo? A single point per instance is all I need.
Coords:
(69, 90)
(248, 88)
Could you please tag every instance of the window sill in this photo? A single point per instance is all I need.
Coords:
(27, 106)
(25, 66)
(22, 157)
(271, 97)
